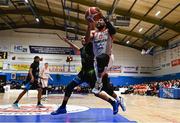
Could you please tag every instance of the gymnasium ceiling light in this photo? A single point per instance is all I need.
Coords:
(37, 19)
(127, 42)
(140, 30)
(157, 13)
(26, 1)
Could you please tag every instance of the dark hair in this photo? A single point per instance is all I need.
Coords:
(36, 57)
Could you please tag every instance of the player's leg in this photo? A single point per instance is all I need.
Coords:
(114, 103)
(90, 77)
(39, 95)
(38, 86)
(69, 89)
(27, 87)
(109, 89)
(68, 92)
(101, 64)
(44, 89)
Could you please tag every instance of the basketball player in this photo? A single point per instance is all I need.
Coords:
(45, 75)
(32, 82)
(87, 74)
(102, 46)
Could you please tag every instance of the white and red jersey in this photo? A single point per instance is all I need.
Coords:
(45, 72)
(45, 75)
(102, 43)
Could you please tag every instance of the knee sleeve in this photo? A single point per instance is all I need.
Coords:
(109, 89)
(70, 87)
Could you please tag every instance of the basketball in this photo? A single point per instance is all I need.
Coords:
(93, 14)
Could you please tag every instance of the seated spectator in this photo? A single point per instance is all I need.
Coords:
(153, 88)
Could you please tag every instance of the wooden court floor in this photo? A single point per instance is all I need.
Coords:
(143, 109)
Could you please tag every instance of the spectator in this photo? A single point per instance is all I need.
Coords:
(153, 88)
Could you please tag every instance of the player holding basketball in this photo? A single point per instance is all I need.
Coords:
(87, 74)
(32, 82)
(102, 39)
(102, 43)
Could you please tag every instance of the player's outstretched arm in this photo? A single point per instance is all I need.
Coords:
(89, 31)
(71, 44)
(111, 28)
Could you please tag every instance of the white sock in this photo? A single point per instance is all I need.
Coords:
(99, 80)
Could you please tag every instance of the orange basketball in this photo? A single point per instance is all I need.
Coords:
(93, 14)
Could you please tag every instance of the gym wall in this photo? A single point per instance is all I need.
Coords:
(127, 59)
(167, 61)
(130, 67)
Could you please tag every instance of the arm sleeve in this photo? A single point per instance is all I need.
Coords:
(90, 51)
(110, 27)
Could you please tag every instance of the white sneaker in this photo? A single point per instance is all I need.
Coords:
(97, 88)
(122, 104)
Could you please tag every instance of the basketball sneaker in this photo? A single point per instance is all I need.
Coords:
(122, 104)
(115, 106)
(40, 106)
(60, 110)
(15, 105)
(97, 88)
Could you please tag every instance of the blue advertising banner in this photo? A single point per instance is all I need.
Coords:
(173, 93)
(51, 50)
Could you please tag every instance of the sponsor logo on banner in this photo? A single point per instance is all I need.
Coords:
(19, 49)
(175, 62)
(71, 68)
(130, 69)
(51, 50)
(64, 68)
(19, 67)
(56, 68)
(168, 93)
